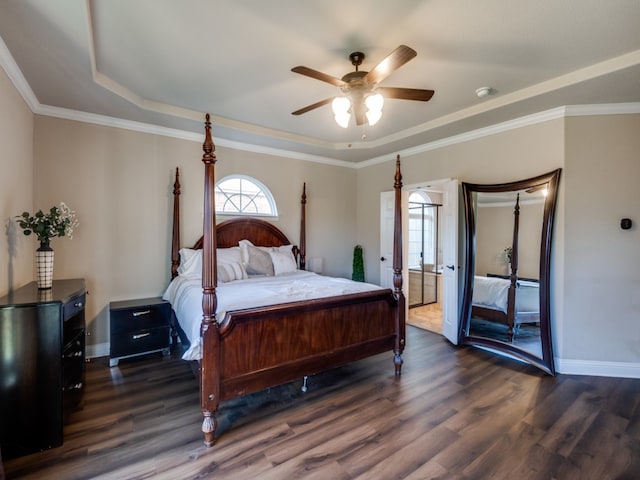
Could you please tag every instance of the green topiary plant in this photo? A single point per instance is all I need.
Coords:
(358, 264)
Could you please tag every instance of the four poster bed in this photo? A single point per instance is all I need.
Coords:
(280, 335)
(509, 299)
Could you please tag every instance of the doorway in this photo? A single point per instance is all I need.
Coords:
(444, 319)
(424, 258)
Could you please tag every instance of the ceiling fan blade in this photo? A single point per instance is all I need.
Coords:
(309, 72)
(311, 107)
(393, 61)
(406, 93)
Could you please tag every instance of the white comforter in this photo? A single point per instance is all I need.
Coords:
(185, 296)
(493, 292)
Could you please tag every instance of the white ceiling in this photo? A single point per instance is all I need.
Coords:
(165, 62)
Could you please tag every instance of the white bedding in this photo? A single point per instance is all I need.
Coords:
(185, 295)
(492, 292)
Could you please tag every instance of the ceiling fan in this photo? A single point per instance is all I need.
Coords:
(359, 88)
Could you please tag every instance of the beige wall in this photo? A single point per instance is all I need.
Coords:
(120, 184)
(504, 157)
(602, 261)
(16, 185)
(494, 232)
(512, 155)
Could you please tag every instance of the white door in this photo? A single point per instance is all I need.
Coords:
(449, 251)
(387, 202)
(450, 317)
(387, 205)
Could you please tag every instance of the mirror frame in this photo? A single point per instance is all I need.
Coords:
(545, 363)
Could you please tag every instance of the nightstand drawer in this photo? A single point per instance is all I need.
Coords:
(131, 316)
(140, 341)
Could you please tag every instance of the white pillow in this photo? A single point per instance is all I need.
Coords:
(190, 262)
(267, 260)
(259, 262)
(228, 272)
(283, 260)
(256, 260)
(230, 258)
(230, 266)
(229, 255)
(244, 253)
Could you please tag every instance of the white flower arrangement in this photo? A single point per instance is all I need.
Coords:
(60, 221)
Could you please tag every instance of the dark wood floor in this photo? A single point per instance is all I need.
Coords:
(454, 414)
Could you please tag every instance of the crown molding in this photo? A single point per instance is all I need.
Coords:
(14, 73)
(17, 78)
(603, 109)
(520, 122)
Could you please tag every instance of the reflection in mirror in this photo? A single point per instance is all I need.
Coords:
(506, 296)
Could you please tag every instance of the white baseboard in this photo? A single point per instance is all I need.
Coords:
(568, 367)
(598, 369)
(97, 350)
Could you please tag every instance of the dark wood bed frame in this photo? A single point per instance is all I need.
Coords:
(253, 349)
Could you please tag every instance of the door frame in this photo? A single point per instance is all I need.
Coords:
(453, 307)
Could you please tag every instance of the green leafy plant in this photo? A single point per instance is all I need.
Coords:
(508, 251)
(60, 221)
(358, 264)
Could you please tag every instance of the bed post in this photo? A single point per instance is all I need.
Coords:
(175, 238)
(303, 226)
(209, 375)
(513, 274)
(397, 271)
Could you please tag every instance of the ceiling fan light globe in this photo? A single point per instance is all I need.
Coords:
(374, 105)
(374, 102)
(373, 116)
(340, 105)
(342, 119)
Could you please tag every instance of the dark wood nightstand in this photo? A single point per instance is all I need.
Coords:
(138, 327)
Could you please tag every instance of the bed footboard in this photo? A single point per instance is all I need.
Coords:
(261, 348)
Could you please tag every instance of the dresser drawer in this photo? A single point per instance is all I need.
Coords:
(73, 307)
(135, 316)
(141, 341)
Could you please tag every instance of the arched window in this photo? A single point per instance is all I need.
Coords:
(243, 195)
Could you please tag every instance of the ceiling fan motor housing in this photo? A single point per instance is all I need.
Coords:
(355, 81)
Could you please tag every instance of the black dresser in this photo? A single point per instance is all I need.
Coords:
(42, 355)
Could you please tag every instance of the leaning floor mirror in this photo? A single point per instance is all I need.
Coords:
(508, 255)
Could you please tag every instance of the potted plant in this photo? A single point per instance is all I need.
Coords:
(59, 221)
(358, 264)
